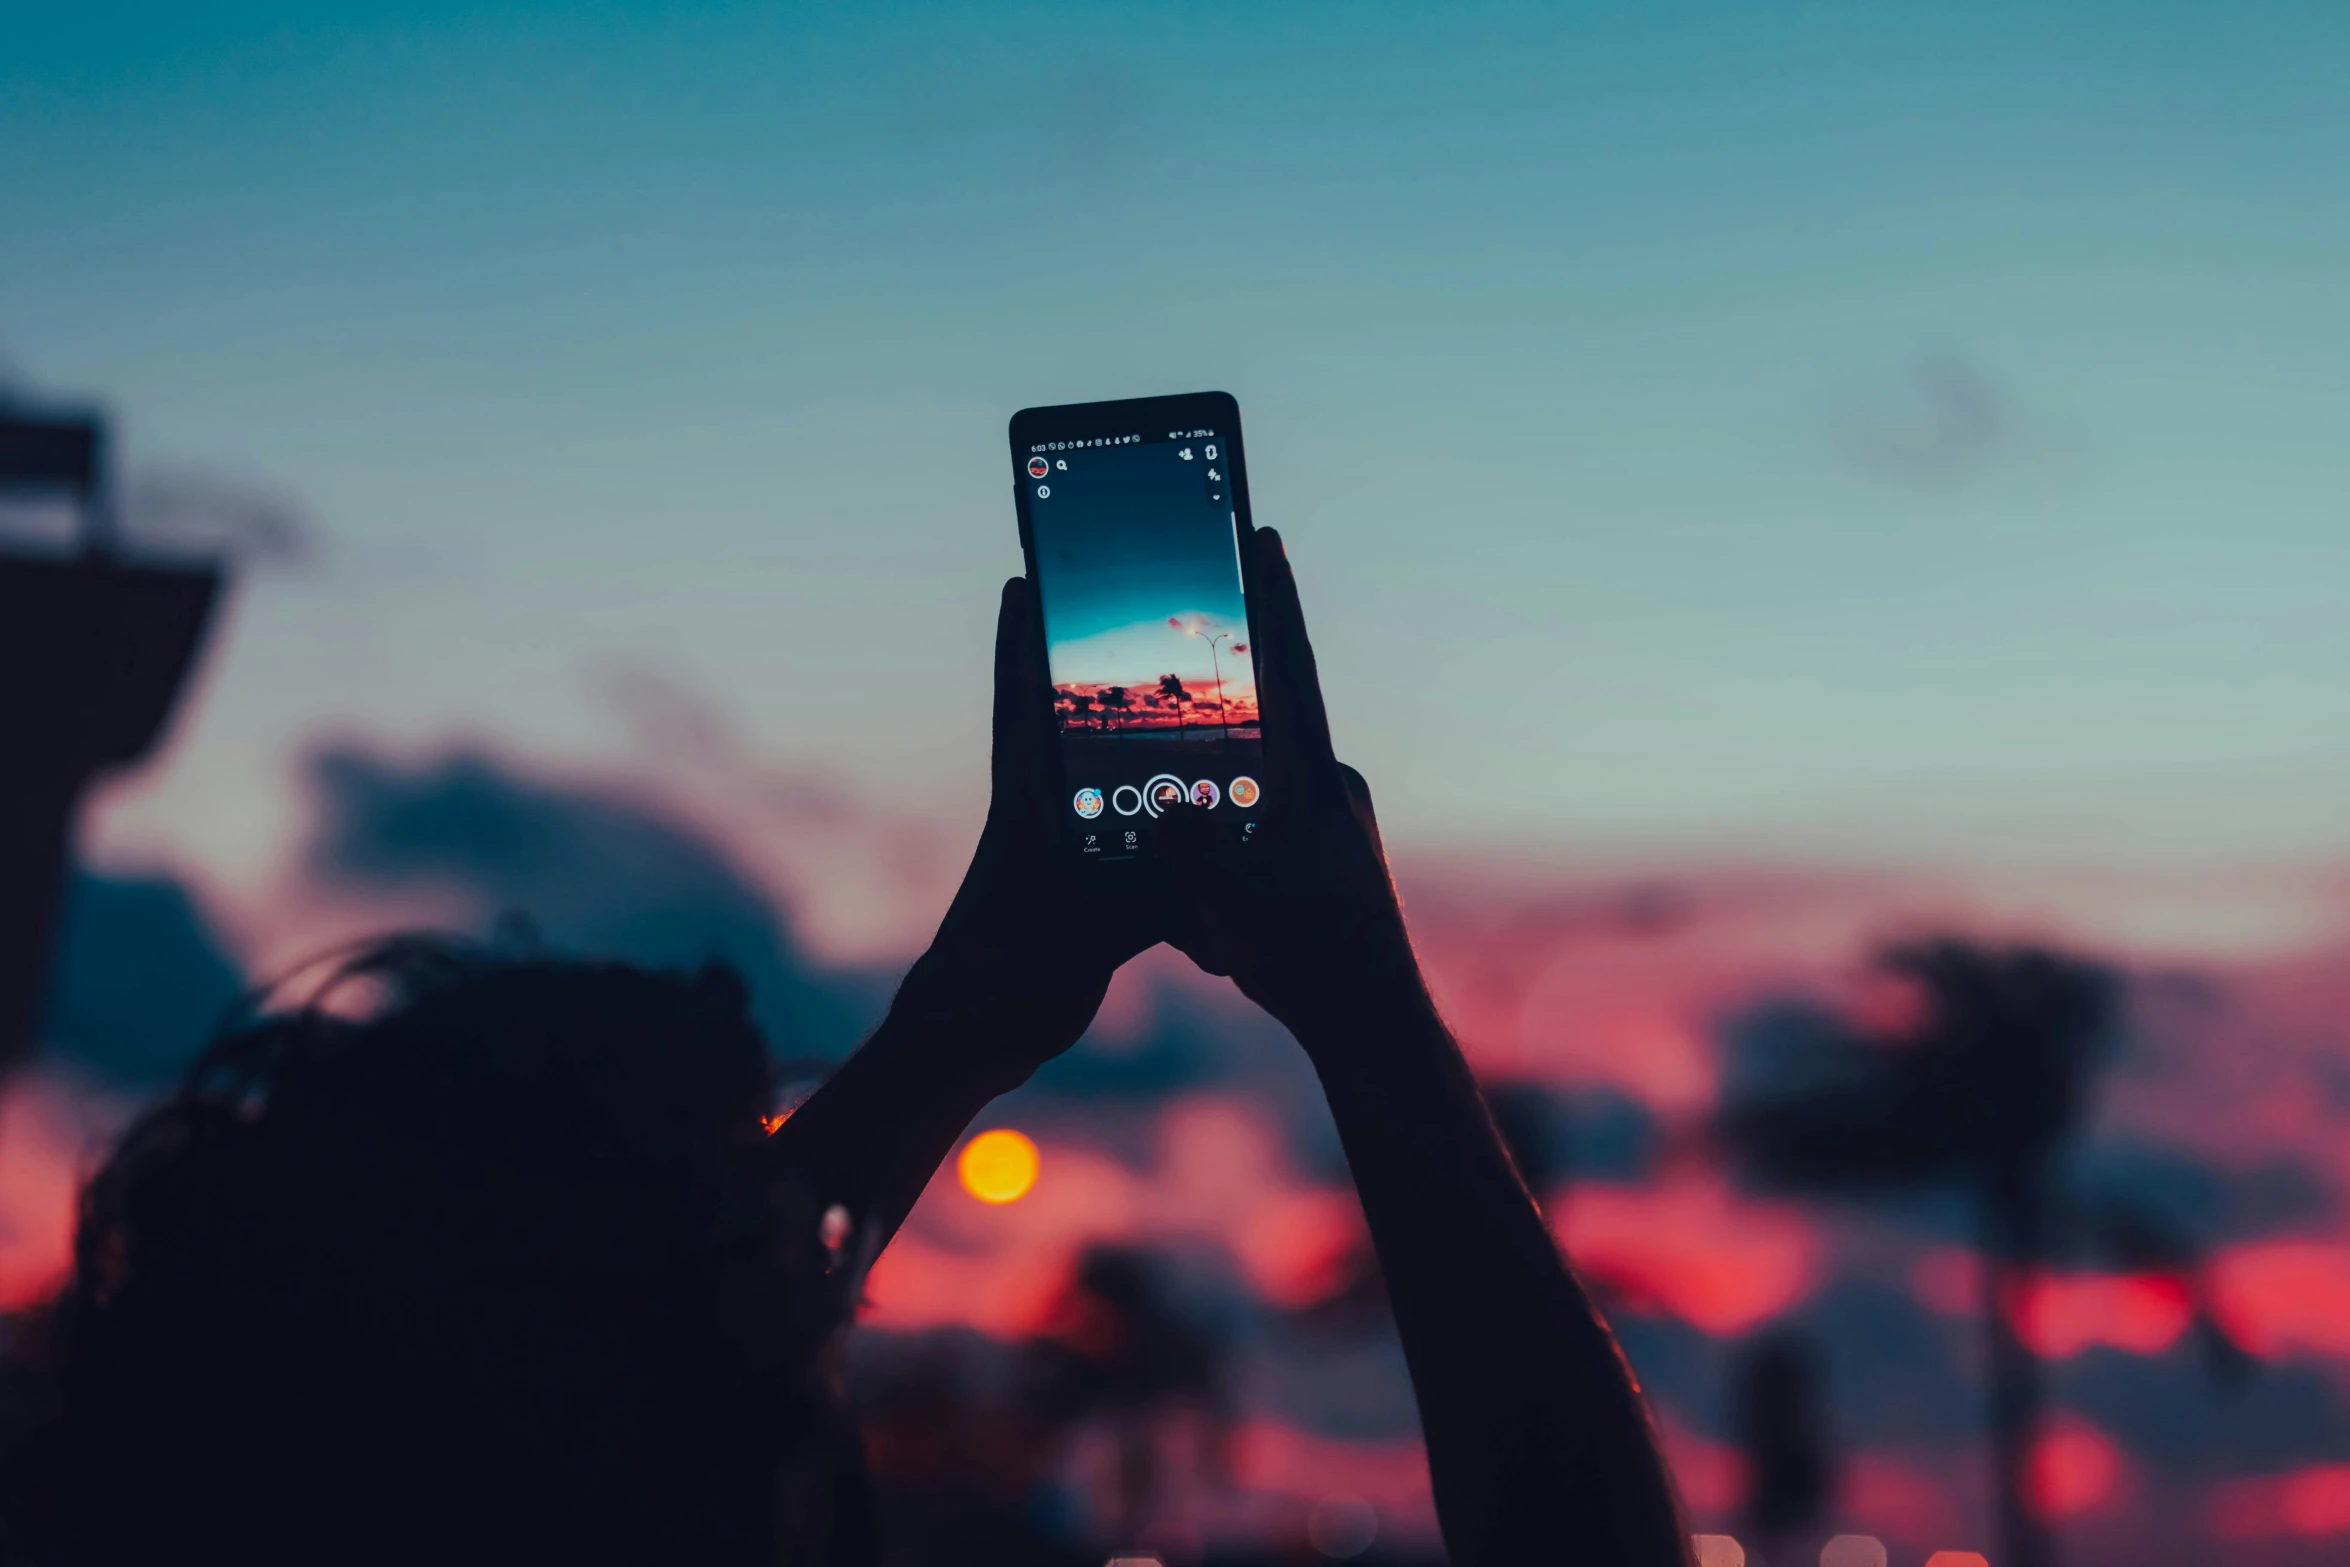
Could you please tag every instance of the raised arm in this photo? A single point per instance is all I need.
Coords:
(1539, 1446)
(1015, 974)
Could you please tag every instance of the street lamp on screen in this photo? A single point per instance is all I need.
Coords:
(1222, 636)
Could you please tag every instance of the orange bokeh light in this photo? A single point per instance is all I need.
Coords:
(998, 1166)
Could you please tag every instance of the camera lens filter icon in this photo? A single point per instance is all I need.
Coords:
(1088, 803)
(1164, 793)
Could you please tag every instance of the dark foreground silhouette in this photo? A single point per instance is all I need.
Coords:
(503, 1272)
(491, 1257)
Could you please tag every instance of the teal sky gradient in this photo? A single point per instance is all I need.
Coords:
(1830, 428)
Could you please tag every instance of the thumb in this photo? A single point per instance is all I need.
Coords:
(1358, 799)
(1022, 736)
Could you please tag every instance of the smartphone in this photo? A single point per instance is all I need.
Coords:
(1133, 518)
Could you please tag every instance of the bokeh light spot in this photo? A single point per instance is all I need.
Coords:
(998, 1166)
(1958, 1559)
(1718, 1550)
(1342, 1526)
(1853, 1550)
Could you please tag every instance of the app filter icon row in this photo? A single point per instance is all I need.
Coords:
(1164, 793)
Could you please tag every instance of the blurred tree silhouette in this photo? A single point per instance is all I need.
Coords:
(1791, 1470)
(1120, 1352)
(959, 1473)
(1982, 1090)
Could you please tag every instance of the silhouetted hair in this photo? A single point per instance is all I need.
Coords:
(495, 1268)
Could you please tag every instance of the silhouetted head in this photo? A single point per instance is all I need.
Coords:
(497, 1267)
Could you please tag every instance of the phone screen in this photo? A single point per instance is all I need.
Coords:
(1134, 545)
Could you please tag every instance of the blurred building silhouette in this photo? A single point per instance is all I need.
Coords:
(95, 650)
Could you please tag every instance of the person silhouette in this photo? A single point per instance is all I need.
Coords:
(489, 1256)
(499, 1266)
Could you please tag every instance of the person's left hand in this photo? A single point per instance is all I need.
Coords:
(1026, 951)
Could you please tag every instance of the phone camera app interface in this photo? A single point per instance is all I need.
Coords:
(1146, 631)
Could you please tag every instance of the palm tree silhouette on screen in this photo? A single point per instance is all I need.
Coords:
(1080, 705)
(1983, 1092)
(1114, 697)
(1171, 689)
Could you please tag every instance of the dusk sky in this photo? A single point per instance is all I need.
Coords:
(1832, 430)
(1761, 478)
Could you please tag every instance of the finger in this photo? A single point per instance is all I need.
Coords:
(1022, 731)
(1358, 794)
(1297, 725)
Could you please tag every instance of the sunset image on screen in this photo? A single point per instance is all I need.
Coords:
(1217, 705)
(1146, 630)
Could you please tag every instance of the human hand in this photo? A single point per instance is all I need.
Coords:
(1027, 948)
(1304, 915)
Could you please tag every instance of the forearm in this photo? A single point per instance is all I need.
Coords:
(874, 1134)
(1539, 1447)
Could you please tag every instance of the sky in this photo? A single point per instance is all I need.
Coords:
(1840, 431)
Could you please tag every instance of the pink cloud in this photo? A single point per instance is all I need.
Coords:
(1275, 1456)
(1889, 1496)
(52, 1133)
(1692, 1248)
(2076, 1469)
(2063, 1314)
(1711, 1475)
(2313, 1502)
(2281, 1297)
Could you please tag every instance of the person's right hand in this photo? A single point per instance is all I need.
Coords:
(1025, 954)
(1304, 916)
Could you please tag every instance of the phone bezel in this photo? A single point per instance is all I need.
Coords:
(1086, 421)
